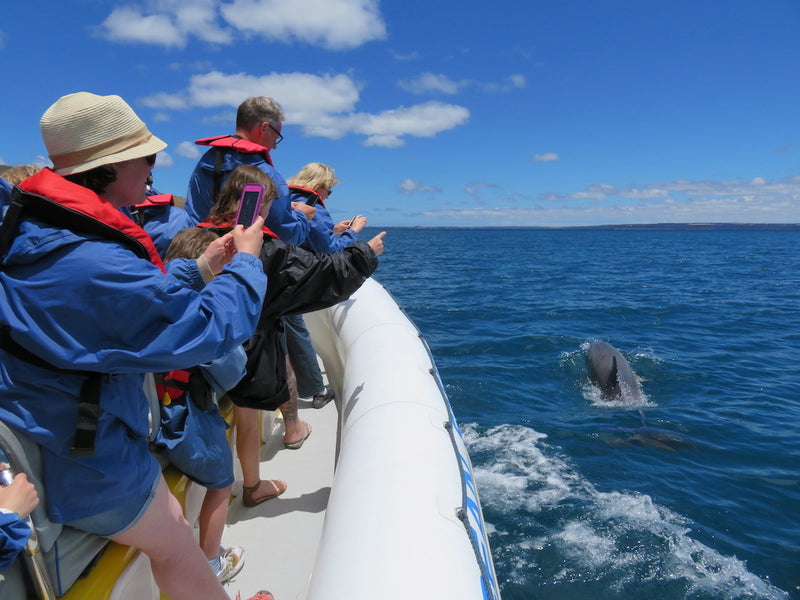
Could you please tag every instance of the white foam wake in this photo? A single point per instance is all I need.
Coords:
(553, 527)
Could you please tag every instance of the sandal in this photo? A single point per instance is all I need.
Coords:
(299, 443)
(249, 492)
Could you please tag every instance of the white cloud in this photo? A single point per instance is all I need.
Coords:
(128, 24)
(404, 57)
(187, 150)
(164, 160)
(431, 82)
(474, 188)
(304, 97)
(518, 81)
(412, 186)
(752, 201)
(322, 105)
(422, 120)
(164, 100)
(332, 24)
(545, 157)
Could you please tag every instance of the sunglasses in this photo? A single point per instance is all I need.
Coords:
(279, 138)
(151, 160)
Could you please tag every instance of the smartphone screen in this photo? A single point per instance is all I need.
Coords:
(312, 201)
(249, 205)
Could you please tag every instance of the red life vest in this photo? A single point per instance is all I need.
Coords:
(61, 203)
(157, 200)
(224, 228)
(296, 189)
(48, 186)
(236, 143)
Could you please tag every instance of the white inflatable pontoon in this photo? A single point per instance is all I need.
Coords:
(381, 502)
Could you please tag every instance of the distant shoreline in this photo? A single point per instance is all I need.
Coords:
(636, 227)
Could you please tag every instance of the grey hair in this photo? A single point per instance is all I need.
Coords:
(257, 110)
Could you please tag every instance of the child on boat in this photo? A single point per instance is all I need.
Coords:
(298, 281)
(192, 433)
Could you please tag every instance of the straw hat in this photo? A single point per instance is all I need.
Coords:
(82, 131)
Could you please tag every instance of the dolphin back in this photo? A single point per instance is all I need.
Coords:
(609, 370)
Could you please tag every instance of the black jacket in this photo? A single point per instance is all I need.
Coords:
(298, 281)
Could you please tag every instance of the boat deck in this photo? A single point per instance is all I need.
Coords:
(280, 536)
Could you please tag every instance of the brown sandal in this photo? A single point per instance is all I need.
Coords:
(248, 492)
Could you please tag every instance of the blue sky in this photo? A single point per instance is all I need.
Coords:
(445, 113)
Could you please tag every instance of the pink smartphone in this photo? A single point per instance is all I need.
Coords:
(250, 204)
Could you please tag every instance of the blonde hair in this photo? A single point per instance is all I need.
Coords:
(314, 176)
(19, 173)
(224, 210)
(189, 243)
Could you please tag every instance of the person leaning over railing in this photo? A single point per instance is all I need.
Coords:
(86, 309)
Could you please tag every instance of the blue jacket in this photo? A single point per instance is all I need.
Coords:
(161, 219)
(82, 301)
(14, 534)
(5, 191)
(291, 226)
(321, 238)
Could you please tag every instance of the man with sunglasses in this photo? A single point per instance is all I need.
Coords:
(259, 120)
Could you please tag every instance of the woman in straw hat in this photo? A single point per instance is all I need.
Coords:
(86, 309)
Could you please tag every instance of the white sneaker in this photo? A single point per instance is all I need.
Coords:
(232, 561)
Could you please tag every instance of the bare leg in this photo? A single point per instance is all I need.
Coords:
(295, 428)
(212, 520)
(179, 567)
(248, 443)
(248, 447)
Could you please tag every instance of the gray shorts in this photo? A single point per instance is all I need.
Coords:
(118, 520)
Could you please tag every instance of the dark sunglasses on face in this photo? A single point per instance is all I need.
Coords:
(151, 160)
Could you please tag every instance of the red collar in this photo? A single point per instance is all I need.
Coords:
(236, 143)
(157, 200)
(226, 227)
(307, 193)
(75, 197)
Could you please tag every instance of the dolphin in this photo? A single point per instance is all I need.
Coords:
(649, 437)
(609, 370)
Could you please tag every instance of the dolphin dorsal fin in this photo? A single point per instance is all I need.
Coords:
(612, 381)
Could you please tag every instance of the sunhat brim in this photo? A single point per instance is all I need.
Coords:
(153, 145)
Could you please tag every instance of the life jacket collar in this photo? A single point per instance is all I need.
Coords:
(235, 142)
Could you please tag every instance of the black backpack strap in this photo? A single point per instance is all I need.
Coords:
(220, 157)
(88, 416)
(9, 227)
(88, 401)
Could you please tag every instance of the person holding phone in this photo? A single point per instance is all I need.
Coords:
(87, 308)
(298, 281)
(314, 185)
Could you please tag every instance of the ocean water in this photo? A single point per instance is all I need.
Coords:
(692, 491)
